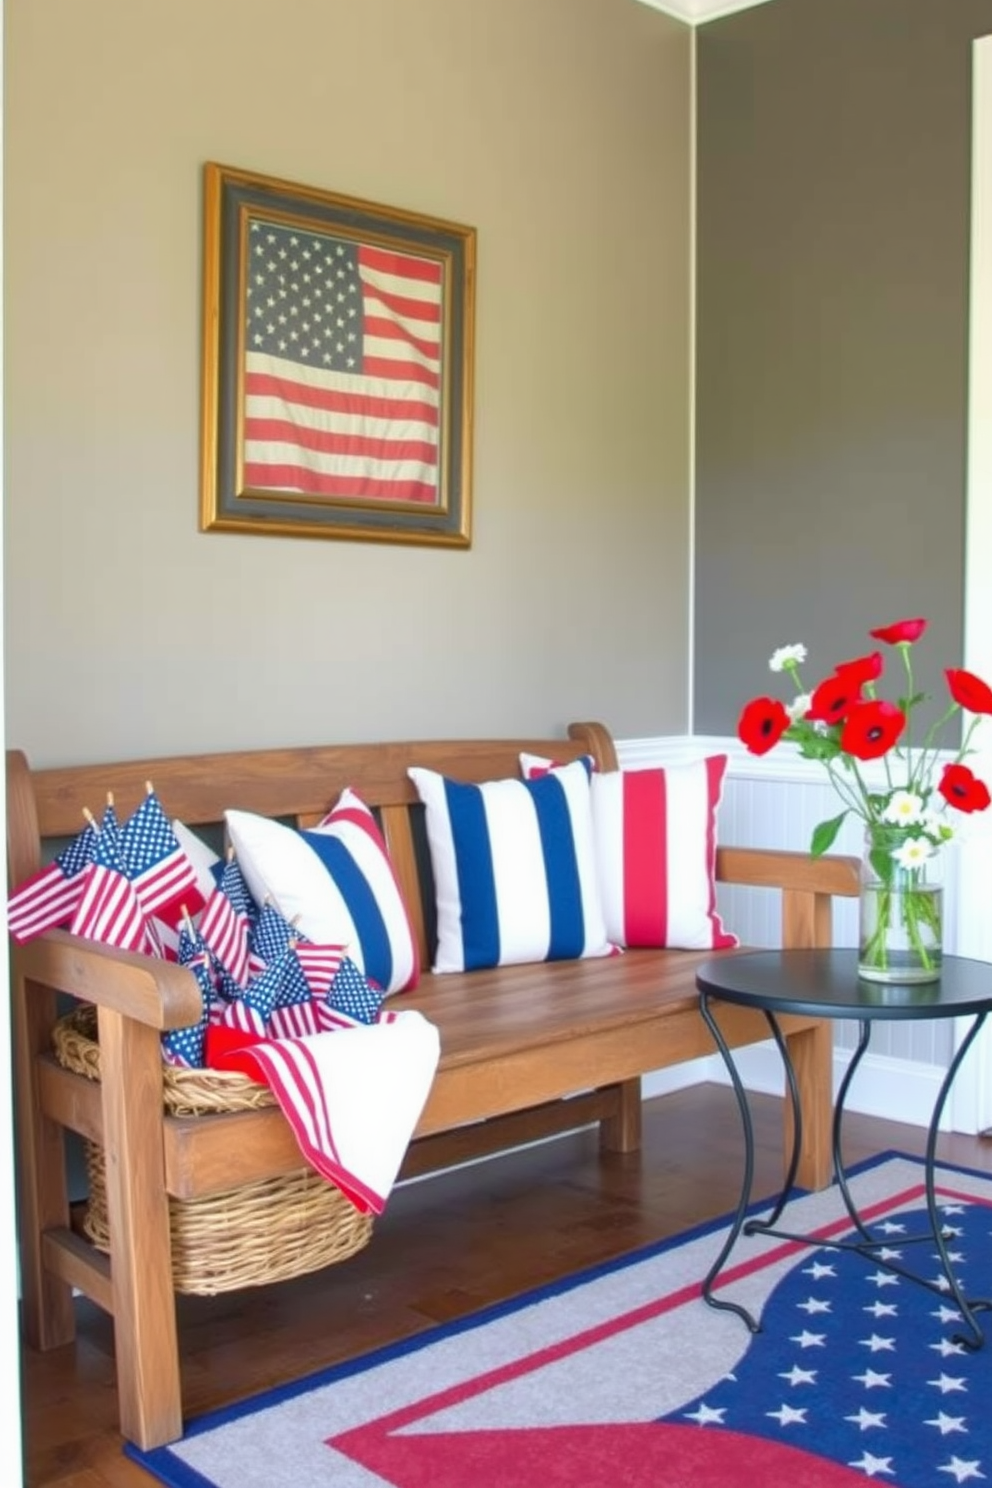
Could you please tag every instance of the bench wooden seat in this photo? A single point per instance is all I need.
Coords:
(526, 1051)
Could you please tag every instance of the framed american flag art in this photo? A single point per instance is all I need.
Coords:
(337, 375)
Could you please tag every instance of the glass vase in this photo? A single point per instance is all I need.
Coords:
(900, 936)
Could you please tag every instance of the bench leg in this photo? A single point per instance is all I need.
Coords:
(43, 1202)
(145, 1333)
(621, 1132)
(811, 1052)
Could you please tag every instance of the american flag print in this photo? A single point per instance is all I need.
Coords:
(861, 1366)
(294, 1014)
(319, 964)
(352, 999)
(251, 1010)
(226, 923)
(343, 368)
(109, 909)
(270, 938)
(164, 879)
(49, 897)
(184, 1046)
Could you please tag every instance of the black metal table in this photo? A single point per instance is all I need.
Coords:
(826, 985)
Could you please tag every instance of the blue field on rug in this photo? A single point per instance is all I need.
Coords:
(623, 1375)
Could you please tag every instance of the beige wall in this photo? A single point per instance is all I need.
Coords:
(560, 130)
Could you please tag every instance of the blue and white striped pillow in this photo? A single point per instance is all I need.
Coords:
(514, 869)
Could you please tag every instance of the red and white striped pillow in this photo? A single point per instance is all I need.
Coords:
(654, 838)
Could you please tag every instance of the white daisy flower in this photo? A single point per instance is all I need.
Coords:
(799, 706)
(905, 809)
(784, 655)
(913, 853)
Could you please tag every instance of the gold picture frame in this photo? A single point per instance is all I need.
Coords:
(337, 369)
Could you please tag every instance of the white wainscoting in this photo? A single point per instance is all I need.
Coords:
(776, 801)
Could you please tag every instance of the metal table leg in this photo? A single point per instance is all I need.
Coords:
(745, 1194)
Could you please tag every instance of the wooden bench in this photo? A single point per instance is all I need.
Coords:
(526, 1051)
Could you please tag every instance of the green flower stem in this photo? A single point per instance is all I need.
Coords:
(850, 797)
(906, 648)
(918, 911)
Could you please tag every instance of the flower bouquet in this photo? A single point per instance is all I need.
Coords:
(844, 724)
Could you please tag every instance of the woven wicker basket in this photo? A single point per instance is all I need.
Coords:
(247, 1236)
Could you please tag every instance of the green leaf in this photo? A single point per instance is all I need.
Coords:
(825, 835)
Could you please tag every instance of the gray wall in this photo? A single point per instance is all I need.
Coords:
(560, 129)
(833, 235)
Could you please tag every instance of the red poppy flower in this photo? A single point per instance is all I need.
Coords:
(969, 691)
(904, 632)
(963, 790)
(762, 723)
(862, 669)
(871, 728)
(834, 698)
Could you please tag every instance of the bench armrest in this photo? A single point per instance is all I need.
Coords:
(808, 886)
(157, 993)
(774, 868)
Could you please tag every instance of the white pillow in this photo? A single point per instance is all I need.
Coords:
(514, 870)
(335, 883)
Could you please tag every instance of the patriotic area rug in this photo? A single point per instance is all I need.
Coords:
(624, 1376)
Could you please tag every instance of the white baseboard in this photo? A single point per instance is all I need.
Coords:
(897, 1089)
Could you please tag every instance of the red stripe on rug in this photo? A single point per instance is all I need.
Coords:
(648, 1455)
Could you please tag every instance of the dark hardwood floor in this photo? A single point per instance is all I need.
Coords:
(445, 1247)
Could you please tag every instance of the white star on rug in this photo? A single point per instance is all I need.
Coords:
(961, 1471)
(797, 1376)
(946, 1314)
(947, 1383)
(891, 1227)
(883, 1278)
(877, 1344)
(870, 1465)
(814, 1304)
(866, 1418)
(786, 1415)
(818, 1270)
(946, 1423)
(808, 1340)
(871, 1380)
(882, 1309)
(947, 1346)
(707, 1416)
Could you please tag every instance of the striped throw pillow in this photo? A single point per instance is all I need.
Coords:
(655, 845)
(514, 871)
(335, 883)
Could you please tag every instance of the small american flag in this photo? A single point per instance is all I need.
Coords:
(319, 964)
(270, 937)
(251, 1010)
(163, 876)
(49, 897)
(184, 1046)
(352, 999)
(226, 921)
(342, 367)
(295, 1013)
(109, 910)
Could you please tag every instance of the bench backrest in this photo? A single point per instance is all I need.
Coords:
(298, 785)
